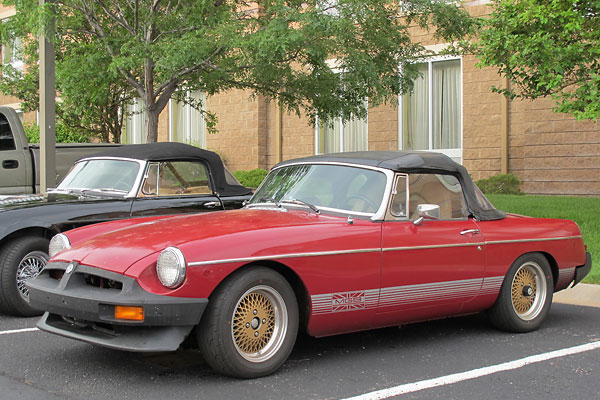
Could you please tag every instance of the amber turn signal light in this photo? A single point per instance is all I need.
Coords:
(129, 312)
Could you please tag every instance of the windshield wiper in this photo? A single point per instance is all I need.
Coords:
(303, 203)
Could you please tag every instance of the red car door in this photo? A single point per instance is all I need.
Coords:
(429, 269)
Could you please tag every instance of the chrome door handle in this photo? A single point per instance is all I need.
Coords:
(212, 204)
(473, 231)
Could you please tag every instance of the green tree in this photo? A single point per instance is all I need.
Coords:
(92, 99)
(276, 48)
(547, 48)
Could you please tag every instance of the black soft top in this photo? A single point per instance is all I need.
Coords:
(415, 162)
(171, 151)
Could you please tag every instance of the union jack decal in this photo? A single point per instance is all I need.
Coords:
(348, 301)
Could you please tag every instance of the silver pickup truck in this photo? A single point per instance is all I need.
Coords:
(20, 169)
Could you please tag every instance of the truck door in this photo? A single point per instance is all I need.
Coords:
(13, 165)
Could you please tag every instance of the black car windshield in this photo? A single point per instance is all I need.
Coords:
(327, 187)
(101, 175)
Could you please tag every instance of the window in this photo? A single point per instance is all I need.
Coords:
(135, 123)
(175, 178)
(187, 123)
(442, 190)
(7, 141)
(431, 116)
(12, 52)
(349, 136)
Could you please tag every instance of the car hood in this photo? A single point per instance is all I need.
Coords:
(17, 202)
(119, 249)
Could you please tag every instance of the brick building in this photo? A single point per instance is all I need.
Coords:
(452, 110)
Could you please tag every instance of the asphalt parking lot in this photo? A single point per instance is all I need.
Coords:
(458, 358)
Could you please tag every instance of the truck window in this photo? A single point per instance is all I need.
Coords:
(7, 142)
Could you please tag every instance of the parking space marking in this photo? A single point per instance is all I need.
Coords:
(18, 331)
(472, 374)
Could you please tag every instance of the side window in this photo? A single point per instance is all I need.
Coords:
(176, 178)
(443, 190)
(7, 141)
(398, 206)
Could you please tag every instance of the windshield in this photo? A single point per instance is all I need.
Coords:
(111, 175)
(333, 187)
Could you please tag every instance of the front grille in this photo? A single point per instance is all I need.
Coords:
(101, 282)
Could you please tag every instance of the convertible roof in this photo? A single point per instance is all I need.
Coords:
(171, 151)
(415, 162)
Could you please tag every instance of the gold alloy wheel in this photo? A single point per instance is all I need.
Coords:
(259, 323)
(528, 291)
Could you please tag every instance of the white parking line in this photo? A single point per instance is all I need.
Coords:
(475, 373)
(19, 331)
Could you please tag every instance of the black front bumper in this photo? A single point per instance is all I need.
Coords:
(81, 304)
(583, 270)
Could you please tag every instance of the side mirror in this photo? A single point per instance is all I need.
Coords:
(427, 211)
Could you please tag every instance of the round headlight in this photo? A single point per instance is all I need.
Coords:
(170, 267)
(58, 243)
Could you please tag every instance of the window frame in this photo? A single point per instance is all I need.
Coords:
(457, 153)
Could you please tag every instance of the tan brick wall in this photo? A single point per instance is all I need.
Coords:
(383, 127)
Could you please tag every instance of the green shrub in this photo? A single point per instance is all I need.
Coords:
(500, 184)
(251, 178)
(64, 134)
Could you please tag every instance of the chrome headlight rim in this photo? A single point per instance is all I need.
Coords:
(181, 266)
(58, 243)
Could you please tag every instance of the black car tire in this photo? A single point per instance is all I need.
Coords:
(25, 255)
(525, 296)
(250, 325)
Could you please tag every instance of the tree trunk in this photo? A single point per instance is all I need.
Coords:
(152, 124)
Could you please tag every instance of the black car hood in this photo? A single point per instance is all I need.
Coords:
(28, 201)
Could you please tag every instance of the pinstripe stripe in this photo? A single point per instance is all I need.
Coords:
(330, 303)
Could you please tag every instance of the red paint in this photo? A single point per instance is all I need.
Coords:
(132, 249)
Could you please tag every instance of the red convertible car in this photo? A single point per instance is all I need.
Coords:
(328, 244)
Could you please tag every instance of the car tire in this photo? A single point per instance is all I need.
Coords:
(250, 325)
(20, 259)
(525, 296)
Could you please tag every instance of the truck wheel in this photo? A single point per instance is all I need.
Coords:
(250, 325)
(20, 259)
(525, 296)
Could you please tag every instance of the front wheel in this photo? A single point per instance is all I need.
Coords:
(525, 296)
(20, 260)
(250, 325)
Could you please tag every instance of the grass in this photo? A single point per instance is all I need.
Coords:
(585, 211)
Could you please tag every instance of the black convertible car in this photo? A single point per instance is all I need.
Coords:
(125, 182)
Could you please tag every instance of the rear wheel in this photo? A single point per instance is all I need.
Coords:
(525, 296)
(21, 259)
(250, 325)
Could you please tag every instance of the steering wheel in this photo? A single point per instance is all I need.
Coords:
(365, 199)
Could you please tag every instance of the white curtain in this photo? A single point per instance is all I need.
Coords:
(329, 136)
(188, 124)
(446, 104)
(356, 134)
(135, 123)
(415, 113)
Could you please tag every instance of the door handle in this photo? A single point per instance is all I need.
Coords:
(212, 204)
(10, 164)
(473, 231)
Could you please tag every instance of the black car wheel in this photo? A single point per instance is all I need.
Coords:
(250, 325)
(21, 259)
(525, 296)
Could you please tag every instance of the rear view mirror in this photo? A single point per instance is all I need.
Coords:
(427, 211)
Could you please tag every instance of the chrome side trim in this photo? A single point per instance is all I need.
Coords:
(533, 240)
(279, 256)
(433, 246)
(341, 252)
